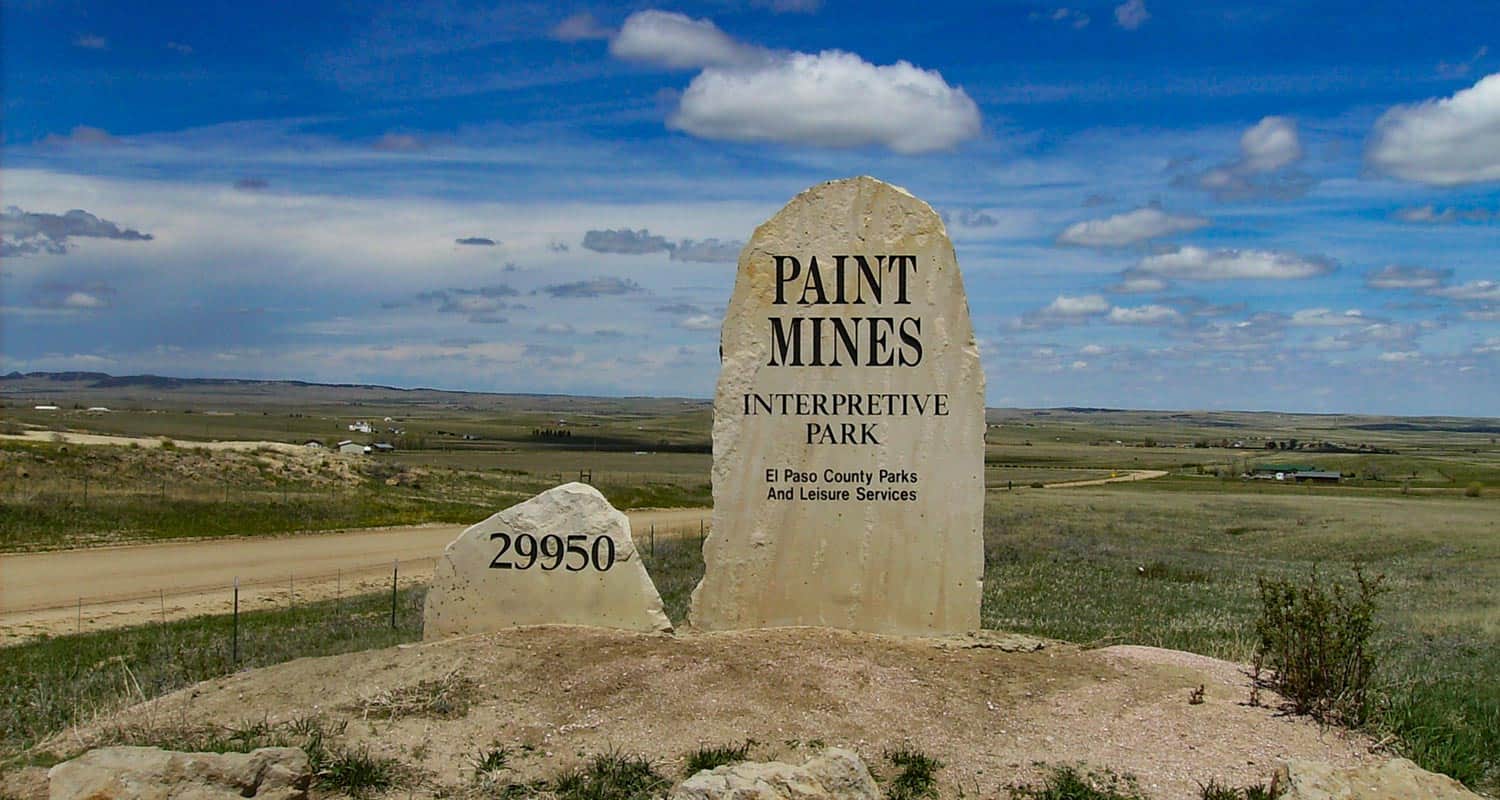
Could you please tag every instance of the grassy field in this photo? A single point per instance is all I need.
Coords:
(53, 683)
(56, 496)
(1178, 569)
(1171, 562)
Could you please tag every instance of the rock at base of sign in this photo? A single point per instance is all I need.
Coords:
(564, 557)
(150, 773)
(1396, 779)
(834, 775)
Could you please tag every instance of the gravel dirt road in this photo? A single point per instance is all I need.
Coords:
(129, 585)
(1137, 475)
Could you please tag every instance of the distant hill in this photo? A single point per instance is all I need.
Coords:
(159, 391)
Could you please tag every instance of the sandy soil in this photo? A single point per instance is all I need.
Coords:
(129, 585)
(1137, 475)
(986, 707)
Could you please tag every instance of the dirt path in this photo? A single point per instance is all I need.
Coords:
(145, 441)
(1137, 475)
(83, 590)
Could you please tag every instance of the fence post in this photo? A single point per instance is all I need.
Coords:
(80, 614)
(236, 635)
(395, 572)
(653, 540)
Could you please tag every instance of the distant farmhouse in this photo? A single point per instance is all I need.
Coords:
(1296, 473)
(351, 448)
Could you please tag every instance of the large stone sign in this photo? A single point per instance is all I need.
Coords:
(562, 557)
(848, 473)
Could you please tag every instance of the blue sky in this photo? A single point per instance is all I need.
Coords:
(1274, 205)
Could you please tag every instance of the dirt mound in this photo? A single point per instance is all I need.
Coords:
(990, 711)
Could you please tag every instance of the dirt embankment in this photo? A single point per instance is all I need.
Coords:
(555, 694)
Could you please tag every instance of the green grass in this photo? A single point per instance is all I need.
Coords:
(1106, 566)
(713, 756)
(916, 777)
(1068, 783)
(660, 495)
(50, 684)
(675, 566)
(358, 773)
(610, 776)
(50, 522)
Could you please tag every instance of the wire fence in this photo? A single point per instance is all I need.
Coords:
(257, 590)
(260, 592)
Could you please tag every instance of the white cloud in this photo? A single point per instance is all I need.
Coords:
(1138, 284)
(1444, 142)
(84, 301)
(580, 27)
(90, 41)
(1270, 145)
(699, 322)
(1266, 147)
(1400, 356)
(1131, 14)
(1144, 315)
(1071, 17)
(1198, 264)
(1462, 68)
(1430, 215)
(1396, 276)
(1088, 305)
(1483, 291)
(678, 41)
(831, 99)
(1129, 228)
(1093, 350)
(1327, 318)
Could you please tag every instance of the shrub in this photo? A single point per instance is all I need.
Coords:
(1067, 783)
(1216, 791)
(357, 773)
(611, 776)
(1474, 489)
(918, 775)
(707, 757)
(1315, 640)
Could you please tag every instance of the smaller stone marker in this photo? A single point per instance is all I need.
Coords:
(564, 557)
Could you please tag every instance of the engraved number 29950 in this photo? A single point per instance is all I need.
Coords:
(551, 552)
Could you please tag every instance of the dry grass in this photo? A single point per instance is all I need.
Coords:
(446, 697)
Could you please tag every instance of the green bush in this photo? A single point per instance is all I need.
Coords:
(1067, 783)
(709, 757)
(611, 776)
(1315, 640)
(917, 778)
(1474, 489)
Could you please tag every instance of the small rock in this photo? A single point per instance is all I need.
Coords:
(150, 773)
(1397, 779)
(835, 775)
